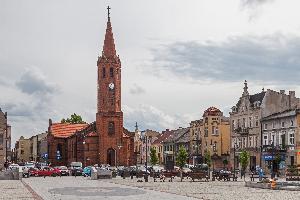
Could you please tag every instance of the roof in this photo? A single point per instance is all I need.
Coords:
(176, 134)
(212, 111)
(253, 98)
(64, 130)
(127, 133)
(283, 114)
(161, 138)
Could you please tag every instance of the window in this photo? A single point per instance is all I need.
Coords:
(244, 122)
(103, 72)
(205, 132)
(266, 126)
(213, 130)
(292, 138)
(282, 124)
(1, 138)
(111, 72)
(273, 125)
(217, 131)
(256, 121)
(233, 126)
(22, 151)
(215, 147)
(250, 122)
(265, 139)
(111, 128)
(292, 123)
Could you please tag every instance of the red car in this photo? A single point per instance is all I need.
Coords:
(48, 172)
(33, 171)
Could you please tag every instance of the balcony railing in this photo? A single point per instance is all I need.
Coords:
(242, 131)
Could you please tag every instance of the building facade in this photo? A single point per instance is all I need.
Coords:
(245, 120)
(23, 150)
(148, 137)
(5, 139)
(280, 139)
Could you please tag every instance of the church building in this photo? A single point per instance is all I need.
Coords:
(105, 141)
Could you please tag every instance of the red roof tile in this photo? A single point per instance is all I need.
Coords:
(64, 130)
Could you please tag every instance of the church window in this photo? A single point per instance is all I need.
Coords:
(111, 72)
(103, 72)
(111, 128)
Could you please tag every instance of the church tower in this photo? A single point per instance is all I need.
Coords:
(109, 117)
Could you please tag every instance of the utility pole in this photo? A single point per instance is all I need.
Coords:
(234, 159)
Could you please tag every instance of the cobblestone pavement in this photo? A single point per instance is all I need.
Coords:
(211, 190)
(14, 189)
(66, 188)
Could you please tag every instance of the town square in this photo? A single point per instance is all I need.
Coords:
(145, 100)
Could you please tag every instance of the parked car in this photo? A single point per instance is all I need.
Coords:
(13, 166)
(64, 171)
(47, 171)
(33, 171)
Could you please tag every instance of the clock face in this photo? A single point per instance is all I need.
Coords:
(111, 86)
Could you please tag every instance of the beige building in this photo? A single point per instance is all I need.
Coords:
(5, 139)
(35, 145)
(23, 150)
(148, 137)
(245, 120)
(212, 134)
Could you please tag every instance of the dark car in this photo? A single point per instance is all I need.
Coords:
(64, 171)
(76, 171)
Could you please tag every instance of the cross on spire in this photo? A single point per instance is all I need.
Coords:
(108, 13)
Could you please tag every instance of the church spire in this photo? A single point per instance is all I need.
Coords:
(109, 44)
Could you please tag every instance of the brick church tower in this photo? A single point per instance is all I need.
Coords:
(113, 142)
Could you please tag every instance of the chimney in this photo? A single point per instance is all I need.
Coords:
(282, 91)
(292, 94)
(50, 122)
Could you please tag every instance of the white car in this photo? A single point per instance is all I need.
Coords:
(13, 166)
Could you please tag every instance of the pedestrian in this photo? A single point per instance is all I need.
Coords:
(75, 172)
(260, 173)
(6, 165)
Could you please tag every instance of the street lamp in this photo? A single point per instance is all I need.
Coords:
(272, 166)
(119, 147)
(234, 146)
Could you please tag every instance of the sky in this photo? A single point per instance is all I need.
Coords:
(178, 57)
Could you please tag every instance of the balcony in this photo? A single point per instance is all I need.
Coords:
(241, 131)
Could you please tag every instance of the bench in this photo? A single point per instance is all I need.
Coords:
(170, 175)
(256, 176)
(198, 175)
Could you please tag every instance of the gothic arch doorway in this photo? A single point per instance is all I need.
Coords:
(111, 157)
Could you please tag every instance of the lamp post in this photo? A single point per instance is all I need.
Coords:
(84, 153)
(119, 147)
(272, 166)
(234, 146)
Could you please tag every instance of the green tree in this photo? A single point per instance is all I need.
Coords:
(153, 156)
(74, 119)
(225, 162)
(207, 158)
(244, 160)
(181, 159)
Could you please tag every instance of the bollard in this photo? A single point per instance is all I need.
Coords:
(273, 184)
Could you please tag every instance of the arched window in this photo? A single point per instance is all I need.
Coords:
(111, 72)
(103, 72)
(111, 128)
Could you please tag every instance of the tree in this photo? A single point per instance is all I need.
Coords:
(207, 158)
(244, 160)
(153, 156)
(74, 119)
(181, 158)
(225, 162)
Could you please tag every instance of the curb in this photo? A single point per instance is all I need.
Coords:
(35, 195)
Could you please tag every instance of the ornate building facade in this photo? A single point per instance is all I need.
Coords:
(245, 120)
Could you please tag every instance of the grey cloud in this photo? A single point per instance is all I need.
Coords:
(150, 117)
(268, 59)
(254, 3)
(136, 89)
(33, 82)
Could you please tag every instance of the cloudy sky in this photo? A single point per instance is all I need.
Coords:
(178, 57)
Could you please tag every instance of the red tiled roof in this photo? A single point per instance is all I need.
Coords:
(161, 138)
(64, 130)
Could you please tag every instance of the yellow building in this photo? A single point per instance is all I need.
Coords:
(211, 134)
